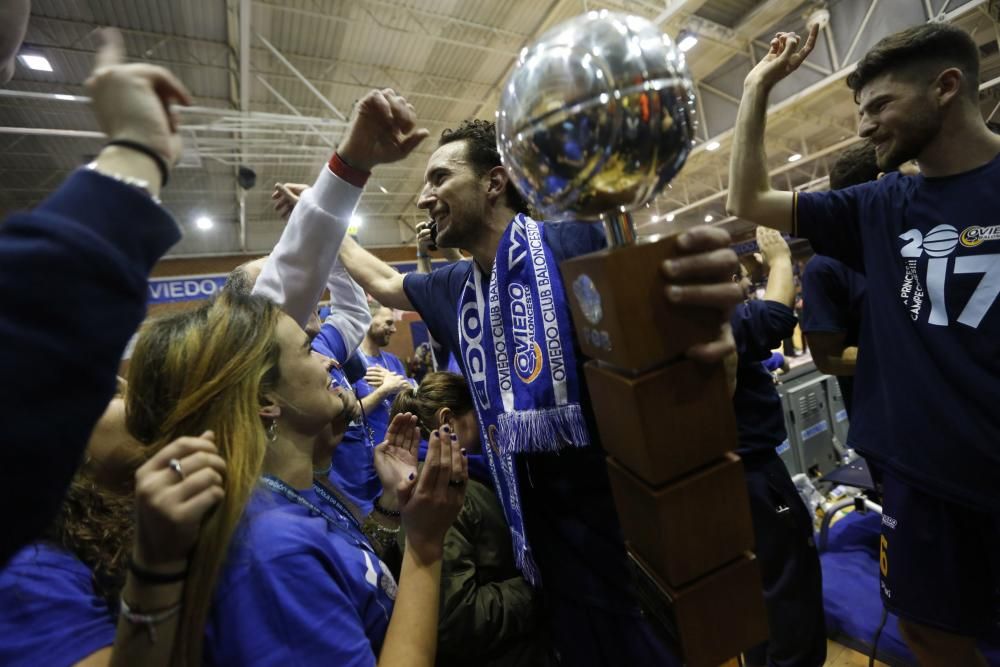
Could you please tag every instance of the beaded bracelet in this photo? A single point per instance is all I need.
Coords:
(147, 620)
(383, 511)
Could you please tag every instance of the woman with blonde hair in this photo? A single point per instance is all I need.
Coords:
(282, 573)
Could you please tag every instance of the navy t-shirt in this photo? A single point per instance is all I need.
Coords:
(353, 469)
(758, 327)
(569, 513)
(50, 614)
(294, 591)
(930, 250)
(833, 298)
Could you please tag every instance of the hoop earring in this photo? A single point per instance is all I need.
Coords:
(272, 430)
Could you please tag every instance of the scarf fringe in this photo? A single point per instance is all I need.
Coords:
(524, 562)
(542, 430)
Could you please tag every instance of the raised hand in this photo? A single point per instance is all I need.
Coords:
(430, 504)
(702, 275)
(783, 58)
(383, 129)
(133, 102)
(396, 457)
(286, 196)
(174, 491)
(772, 246)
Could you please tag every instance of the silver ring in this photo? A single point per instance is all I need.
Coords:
(456, 482)
(175, 465)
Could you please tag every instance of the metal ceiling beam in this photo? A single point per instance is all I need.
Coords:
(677, 9)
(349, 21)
(301, 77)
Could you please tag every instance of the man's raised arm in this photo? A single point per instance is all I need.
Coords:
(750, 193)
(376, 277)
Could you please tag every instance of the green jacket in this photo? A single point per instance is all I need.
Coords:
(489, 614)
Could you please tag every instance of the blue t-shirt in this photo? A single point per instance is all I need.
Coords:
(833, 299)
(295, 591)
(566, 498)
(758, 327)
(930, 250)
(353, 468)
(50, 614)
(378, 416)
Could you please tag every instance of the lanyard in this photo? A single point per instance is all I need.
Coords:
(294, 496)
(323, 493)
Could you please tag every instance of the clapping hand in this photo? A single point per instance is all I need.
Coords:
(396, 457)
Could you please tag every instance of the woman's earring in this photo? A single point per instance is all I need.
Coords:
(272, 430)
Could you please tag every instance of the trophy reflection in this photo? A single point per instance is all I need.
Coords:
(595, 120)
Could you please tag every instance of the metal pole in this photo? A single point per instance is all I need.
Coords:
(301, 77)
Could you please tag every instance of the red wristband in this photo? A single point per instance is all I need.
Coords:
(352, 175)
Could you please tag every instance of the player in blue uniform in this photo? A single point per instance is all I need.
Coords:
(929, 246)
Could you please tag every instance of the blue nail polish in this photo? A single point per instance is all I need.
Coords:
(412, 475)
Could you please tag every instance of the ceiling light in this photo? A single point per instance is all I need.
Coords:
(382, 188)
(687, 43)
(655, 218)
(709, 218)
(670, 217)
(36, 62)
(68, 98)
(357, 221)
(712, 146)
(203, 222)
(794, 157)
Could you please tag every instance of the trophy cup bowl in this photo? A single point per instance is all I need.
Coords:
(596, 118)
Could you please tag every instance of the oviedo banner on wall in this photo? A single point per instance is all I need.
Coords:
(184, 288)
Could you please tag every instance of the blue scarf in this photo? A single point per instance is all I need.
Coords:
(516, 337)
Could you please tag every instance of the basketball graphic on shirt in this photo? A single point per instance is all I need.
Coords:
(940, 241)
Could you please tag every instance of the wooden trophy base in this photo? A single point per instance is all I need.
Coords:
(621, 313)
(711, 619)
(689, 527)
(665, 423)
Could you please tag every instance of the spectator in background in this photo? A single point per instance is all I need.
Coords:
(783, 527)
(385, 374)
(834, 294)
(489, 613)
(104, 216)
(421, 363)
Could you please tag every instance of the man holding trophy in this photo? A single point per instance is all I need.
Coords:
(586, 152)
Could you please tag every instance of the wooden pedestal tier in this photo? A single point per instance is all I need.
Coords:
(711, 619)
(664, 423)
(689, 527)
(620, 312)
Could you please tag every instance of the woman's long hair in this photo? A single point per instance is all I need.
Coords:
(207, 369)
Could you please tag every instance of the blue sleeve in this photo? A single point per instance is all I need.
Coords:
(760, 326)
(825, 297)
(571, 239)
(289, 610)
(774, 362)
(50, 614)
(832, 222)
(73, 275)
(330, 342)
(435, 296)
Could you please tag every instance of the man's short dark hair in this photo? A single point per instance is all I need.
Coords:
(921, 51)
(480, 137)
(855, 165)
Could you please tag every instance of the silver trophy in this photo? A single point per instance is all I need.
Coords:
(596, 118)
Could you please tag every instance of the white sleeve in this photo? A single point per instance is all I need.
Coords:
(297, 269)
(349, 311)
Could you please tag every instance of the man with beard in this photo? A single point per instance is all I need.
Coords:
(385, 375)
(538, 434)
(928, 246)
